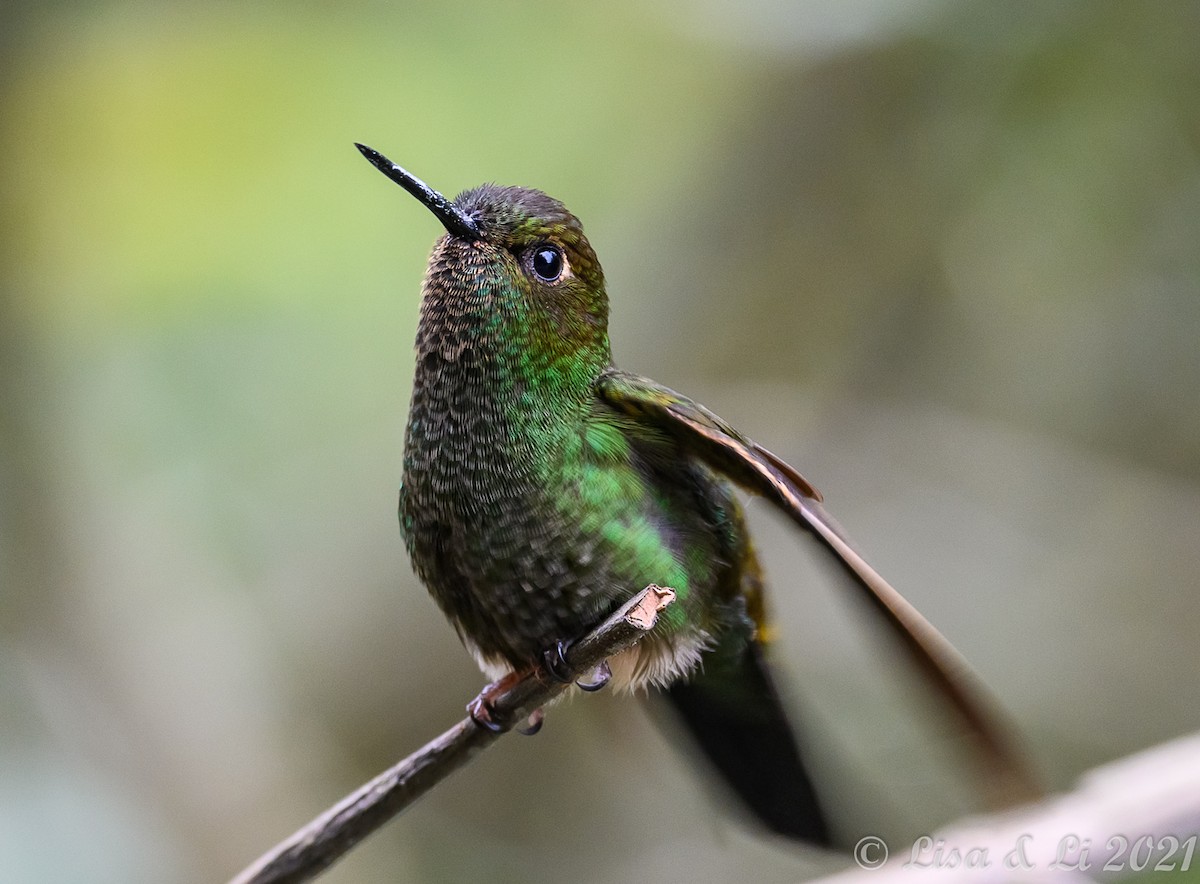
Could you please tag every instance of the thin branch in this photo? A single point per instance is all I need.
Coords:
(323, 841)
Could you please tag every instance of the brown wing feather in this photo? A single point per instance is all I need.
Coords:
(760, 471)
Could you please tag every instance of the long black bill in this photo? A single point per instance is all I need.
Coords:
(454, 219)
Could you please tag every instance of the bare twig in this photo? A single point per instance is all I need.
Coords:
(323, 841)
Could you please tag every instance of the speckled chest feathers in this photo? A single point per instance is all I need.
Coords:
(530, 507)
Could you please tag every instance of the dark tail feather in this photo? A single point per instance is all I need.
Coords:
(733, 713)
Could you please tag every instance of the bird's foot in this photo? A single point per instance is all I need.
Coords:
(602, 675)
(555, 661)
(483, 711)
(484, 715)
(533, 725)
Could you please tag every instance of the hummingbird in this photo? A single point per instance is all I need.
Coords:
(543, 486)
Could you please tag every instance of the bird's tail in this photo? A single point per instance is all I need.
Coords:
(734, 714)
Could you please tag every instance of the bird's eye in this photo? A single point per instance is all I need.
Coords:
(547, 263)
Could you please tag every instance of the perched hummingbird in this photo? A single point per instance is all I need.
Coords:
(543, 487)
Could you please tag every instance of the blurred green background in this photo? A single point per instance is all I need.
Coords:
(941, 256)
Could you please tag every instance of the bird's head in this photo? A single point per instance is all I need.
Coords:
(514, 265)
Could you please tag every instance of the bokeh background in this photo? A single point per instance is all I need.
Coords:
(942, 256)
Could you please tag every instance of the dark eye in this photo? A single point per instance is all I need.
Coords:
(547, 263)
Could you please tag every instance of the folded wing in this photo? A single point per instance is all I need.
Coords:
(757, 470)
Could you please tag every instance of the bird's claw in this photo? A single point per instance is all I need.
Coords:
(484, 715)
(555, 661)
(483, 710)
(602, 676)
(533, 725)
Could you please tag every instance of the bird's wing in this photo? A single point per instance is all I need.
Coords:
(757, 470)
